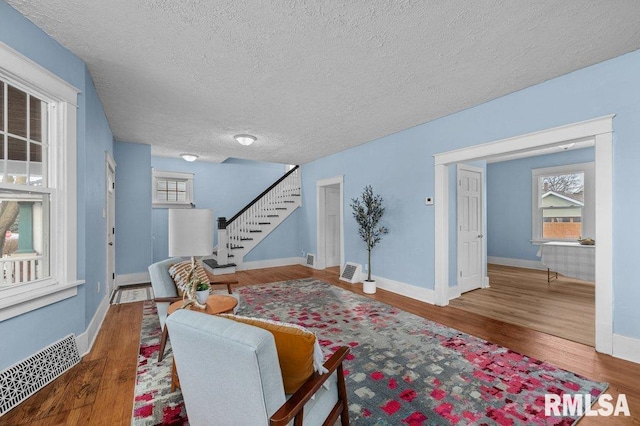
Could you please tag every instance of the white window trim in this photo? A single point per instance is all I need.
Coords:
(588, 211)
(62, 99)
(162, 174)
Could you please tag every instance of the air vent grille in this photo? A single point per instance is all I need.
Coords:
(351, 272)
(311, 258)
(28, 376)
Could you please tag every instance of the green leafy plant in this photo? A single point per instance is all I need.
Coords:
(201, 285)
(368, 211)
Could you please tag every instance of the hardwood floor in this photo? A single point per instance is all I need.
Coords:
(563, 308)
(99, 391)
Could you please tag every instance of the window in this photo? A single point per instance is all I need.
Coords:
(172, 189)
(24, 202)
(563, 208)
(38, 265)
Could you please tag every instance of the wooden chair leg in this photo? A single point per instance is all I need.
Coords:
(342, 395)
(229, 288)
(163, 343)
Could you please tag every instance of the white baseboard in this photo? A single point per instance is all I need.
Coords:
(454, 292)
(409, 290)
(85, 340)
(131, 279)
(517, 263)
(626, 348)
(272, 263)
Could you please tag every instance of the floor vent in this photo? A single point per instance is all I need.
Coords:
(28, 376)
(311, 258)
(351, 272)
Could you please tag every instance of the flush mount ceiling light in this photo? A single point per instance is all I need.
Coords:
(245, 140)
(189, 157)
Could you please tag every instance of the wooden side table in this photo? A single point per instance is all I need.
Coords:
(216, 304)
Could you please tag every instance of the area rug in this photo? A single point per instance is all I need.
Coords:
(130, 295)
(402, 369)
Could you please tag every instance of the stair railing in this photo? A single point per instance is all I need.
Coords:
(262, 209)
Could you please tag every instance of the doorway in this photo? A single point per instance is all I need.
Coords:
(597, 132)
(471, 245)
(110, 216)
(330, 223)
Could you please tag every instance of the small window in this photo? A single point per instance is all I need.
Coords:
(562, 203)
(172, 189)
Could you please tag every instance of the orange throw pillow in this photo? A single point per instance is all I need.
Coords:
(299, 353)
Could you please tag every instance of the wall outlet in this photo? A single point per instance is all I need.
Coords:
(98, 286)
(366, 267)
(304, 253)
(428, 201)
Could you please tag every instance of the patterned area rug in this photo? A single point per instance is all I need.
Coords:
(402, 369)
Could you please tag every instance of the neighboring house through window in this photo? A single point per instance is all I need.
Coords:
(563, 207)
(37, 186)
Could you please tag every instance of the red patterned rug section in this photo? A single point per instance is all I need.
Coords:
(402, 370)
(154, 403)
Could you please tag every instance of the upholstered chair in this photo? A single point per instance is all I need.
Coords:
(165, 292)
(230, 375)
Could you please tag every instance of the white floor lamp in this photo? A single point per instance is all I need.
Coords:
(190, 235)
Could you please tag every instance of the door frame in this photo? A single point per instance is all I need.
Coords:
(483, 261)
(597, 132)
(320, 225)
(110, 282)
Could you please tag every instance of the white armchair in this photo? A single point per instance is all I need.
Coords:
(230, 375)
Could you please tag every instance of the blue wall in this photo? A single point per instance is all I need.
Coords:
(400, 167)
(509, 202)
(226, 188)
(134, 247)
(28, 333)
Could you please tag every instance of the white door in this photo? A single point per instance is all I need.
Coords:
(111, 223)
(332, 225)
(470, 229)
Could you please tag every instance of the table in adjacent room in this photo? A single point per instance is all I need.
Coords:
(569, 258)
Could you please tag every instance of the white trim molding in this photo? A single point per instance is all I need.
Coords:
(403, 289)
(626, 348)
(86, 340)
(321, 257)
(62, 99)
(600, 131)
(272, 263)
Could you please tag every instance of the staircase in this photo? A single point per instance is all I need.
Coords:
(240, 234)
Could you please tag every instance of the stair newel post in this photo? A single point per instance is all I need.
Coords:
(223, 240)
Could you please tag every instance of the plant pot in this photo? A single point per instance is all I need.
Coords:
(201, 296)
(369, 287)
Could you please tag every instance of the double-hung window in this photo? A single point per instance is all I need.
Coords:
(563, 203)
(37, 186)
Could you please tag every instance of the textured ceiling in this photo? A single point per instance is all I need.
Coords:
(311, 78)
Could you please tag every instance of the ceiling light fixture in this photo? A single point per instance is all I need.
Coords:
(189, 157)
(245, 140)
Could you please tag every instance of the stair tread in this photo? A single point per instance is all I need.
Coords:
(213, 264)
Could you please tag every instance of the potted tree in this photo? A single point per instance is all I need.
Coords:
(367, 212)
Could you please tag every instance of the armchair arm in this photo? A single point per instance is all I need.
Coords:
(295, 405)
(168, 299)
(228, 284)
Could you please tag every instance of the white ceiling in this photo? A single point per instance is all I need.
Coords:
(311, 78)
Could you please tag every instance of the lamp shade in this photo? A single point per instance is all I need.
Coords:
(190, 232)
